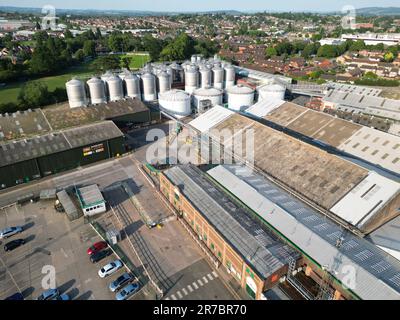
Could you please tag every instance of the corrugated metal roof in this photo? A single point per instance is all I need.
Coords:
(90, 196)
(376, 274)
(264, 107)
(261, 250)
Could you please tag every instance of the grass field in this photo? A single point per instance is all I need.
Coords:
(10, 92)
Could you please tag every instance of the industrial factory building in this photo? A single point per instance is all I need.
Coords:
(28, 159)
(332, 184)
(255, 258)
(376, 147)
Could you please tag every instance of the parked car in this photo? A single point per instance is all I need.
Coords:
(98, 256)
(9, 232)
(110, 268)
(15, 296)
(96, 247)
(13, 244)
(50, 294)
(120, 282)
(128, 291)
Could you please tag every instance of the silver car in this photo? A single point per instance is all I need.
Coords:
(110, 268)
(9, 232)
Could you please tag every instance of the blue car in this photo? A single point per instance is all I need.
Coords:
(126, 292)
(120, 282)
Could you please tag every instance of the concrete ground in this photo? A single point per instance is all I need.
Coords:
(173, 258)
(52, 240)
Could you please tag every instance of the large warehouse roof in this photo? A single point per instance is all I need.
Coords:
(317, 175)
(264, 252)
(22, 150)
(22, 124)
(36, 122)
(381, 107)
(377, 147)
(377, 275)
(355, 89)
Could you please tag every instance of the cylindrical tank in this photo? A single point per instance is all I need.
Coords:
(177, 72)
(191, 79)
(106, 75)
(271, 92)
(193, 59)
(218, 77)
(132, 85)
(76, 93)
(97, 91)
(240, 97)
(149, 87)
(205, 77)
(163, 82)
(175, 102)
(115, 89)
(213, 94)
(230, 76)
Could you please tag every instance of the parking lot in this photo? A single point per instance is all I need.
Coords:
(51, 240)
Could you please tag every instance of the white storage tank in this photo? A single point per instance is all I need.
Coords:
(175, 102)
(271, 92)
(97, 91)
(115, 89)
(132, 85)
(218, 77)
(163, 82)
(191, 79)
(149, 87)
(230, 76)
(240, 97)
(205, 77)
(213, 94)
(177, 72)
(76, 93)
(106, 75)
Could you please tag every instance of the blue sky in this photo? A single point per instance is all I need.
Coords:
(203, 5)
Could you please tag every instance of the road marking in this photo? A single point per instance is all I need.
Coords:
(215, 274)
(200, 283)
(195, 285)
(173, 297)
(64, 253)
(179, 294)
(205, 280)
(184, 292)
(210, 276)
(190, 288)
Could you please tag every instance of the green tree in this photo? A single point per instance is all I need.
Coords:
(270, 52)
(105, 63)
(327, 51)
(126, 62)
(89, 48)
(33, 94)
(179, 49)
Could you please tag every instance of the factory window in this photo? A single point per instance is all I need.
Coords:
(396, 160)
(385, 156)
(396, 146)
(212, 246)
(219, 254)
(176, 196)
(375, 152)
(356, 145)
(386, 142)
(205, 237)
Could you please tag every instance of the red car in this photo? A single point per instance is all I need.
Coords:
(98, 246)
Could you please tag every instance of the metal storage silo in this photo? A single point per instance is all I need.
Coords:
(97, 91)
(115, 89)
(132, 85)
(177, 73)
(76, 93)
(218, 77)
(149, 87)
(214, 95)
(240, 97)
(191, 79)
(230, 76)
(175, 102)
(205, 77)
(163, 82)
(271, 92)
(193, 59)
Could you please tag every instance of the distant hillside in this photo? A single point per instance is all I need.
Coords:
(379, 11)
(94, 12)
